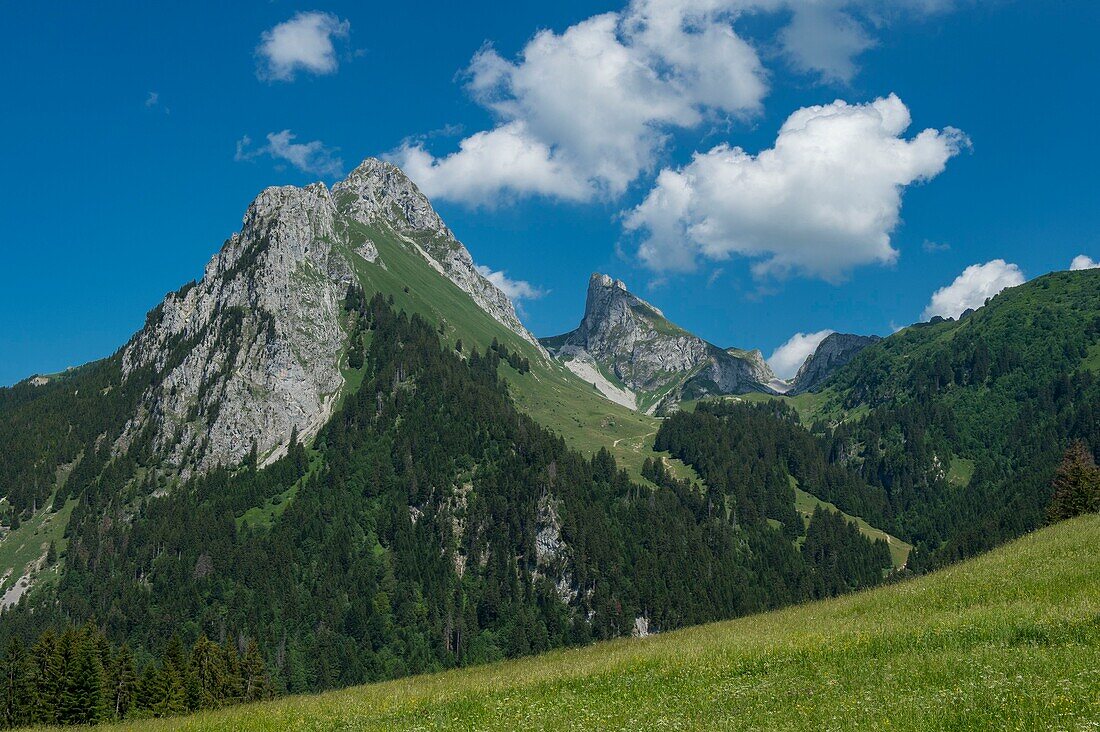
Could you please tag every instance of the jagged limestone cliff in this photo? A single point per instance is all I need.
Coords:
(634, 355)
(254, 350)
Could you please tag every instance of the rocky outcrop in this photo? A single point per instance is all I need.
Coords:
(732, 372)
(253, 351)
(835, 351)
(553, 557)
(633, 343)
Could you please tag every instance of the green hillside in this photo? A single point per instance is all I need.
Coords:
(555, 397)
(434, 523)
(957, 425)
(1010, 640)
(431, 525)
(412, 535)
(960, 423)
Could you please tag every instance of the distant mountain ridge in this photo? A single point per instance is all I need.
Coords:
(633, 354)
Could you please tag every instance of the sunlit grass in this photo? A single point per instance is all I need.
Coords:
(22, 550)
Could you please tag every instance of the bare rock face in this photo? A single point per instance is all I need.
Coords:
(835, 351)
(624, 330)
(649, 355)
(553, 557)
(739, 371)
(253, 351)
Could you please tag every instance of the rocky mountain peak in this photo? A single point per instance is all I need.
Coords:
(599, 281)
(377, 189)
(253, 351)
(636, 356)
(609, 306)
(378, 192)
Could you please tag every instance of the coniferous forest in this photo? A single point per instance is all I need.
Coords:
(77, 677)
(621, 365)
(1005, 389)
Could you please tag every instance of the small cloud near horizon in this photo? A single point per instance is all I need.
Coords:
(972, 288)
(1082, 261)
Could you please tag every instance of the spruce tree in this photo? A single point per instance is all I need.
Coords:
(47, 676)
(231, 682)
(151, 689)
(84, 698)
(174, 701)
(208, 670)
(297, 673)
(123, 682)
(18, 686)
(256, 684)
(1076, 484)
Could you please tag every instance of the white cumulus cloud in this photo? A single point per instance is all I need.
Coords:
(309, 157)
(516, 290)
(303, 43)
(786, 359)
(823, 200)
(583, 113)
(1082, 261)
(489, 164)
(972, 288)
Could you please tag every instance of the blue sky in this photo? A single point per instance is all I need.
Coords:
(126, 164)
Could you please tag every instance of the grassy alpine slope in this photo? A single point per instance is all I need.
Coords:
(553, 395)
(1009, 640)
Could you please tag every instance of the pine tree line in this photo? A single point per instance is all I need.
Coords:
(841, 558)
(77, 677)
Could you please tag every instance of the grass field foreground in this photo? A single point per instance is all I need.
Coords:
(1007, 641)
